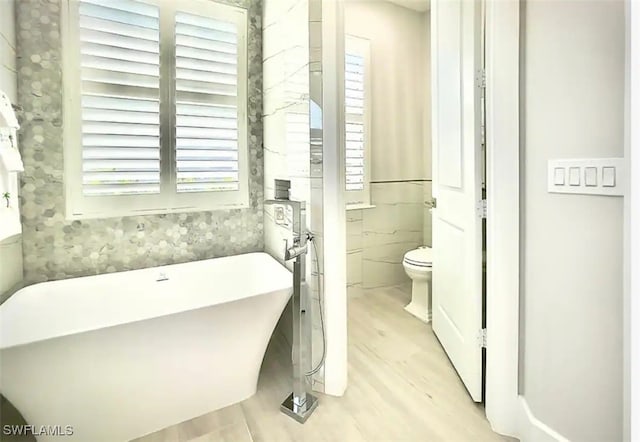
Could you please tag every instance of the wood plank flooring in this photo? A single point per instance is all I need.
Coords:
(402, 387)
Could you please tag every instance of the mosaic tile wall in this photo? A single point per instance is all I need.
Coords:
(55, 248)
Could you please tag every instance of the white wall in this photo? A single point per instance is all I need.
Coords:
(11, 249)
(632, 306)
(573, 92)
(379, 237)
(398, 85)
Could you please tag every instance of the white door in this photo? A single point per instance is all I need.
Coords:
(457, 174)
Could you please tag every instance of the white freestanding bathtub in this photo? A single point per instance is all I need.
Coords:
(120, 355)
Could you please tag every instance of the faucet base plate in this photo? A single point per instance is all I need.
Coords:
(300, 414)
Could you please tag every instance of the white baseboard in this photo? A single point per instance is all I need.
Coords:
(534, 430)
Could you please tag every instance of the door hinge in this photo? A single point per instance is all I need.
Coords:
(481, 209)
(482, 338)
(481, 78)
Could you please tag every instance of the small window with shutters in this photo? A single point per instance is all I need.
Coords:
(357, 121)
(155, 107)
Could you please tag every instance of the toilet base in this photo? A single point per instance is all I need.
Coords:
(420, 300)
(419, 312)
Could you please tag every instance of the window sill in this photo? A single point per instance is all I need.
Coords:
(360, 206)
(115, 213)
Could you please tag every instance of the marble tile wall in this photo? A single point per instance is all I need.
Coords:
(354, 252)
(292, 144)
(426, 214)
(378, 237)
(56, 248)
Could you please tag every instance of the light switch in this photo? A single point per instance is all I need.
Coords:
(558, 176)
(587, 176)
(608, 177)
(574, 176)
(591, 176)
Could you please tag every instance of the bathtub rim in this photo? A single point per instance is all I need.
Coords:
(15, 342)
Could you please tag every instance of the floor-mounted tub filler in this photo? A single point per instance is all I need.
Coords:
(120, 355)
(300, 404)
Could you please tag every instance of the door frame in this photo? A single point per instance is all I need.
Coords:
(502, 65)
(631, 303)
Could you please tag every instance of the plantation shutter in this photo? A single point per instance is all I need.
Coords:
(120, 97)
(355, 121)
(206, 94)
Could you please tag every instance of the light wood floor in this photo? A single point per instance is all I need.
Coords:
(402, 387)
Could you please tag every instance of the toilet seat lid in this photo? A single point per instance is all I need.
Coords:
(421, 256)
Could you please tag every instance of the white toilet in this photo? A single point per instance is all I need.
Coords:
(417, 263)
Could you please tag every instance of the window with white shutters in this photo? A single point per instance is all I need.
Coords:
(120, 97)
(357, 161)
(206, 104)
(155, 109)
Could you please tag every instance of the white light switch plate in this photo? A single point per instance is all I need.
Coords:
(609, 177)
(559, 174)
(588, 176)
(574, 176)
